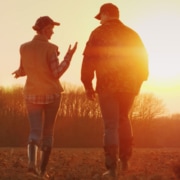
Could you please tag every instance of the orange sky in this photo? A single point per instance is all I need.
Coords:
(157, 22)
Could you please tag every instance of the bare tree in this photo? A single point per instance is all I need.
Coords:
(76, 105)
(146, 108)
(144, 116)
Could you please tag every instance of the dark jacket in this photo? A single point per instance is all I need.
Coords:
(118, 58)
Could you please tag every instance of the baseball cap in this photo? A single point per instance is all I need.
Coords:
(109, 8)
(43, 21)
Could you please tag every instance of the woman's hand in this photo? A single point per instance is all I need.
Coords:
(70, 52)
(16, 73)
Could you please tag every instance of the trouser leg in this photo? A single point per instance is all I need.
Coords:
(125, 129)
(125, 139)
(109, 110)
(35, 112)
(126, 148)
(50, 112)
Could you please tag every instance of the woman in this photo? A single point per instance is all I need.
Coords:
(42, 91)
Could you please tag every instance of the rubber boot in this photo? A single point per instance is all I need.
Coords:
(32, 150)
(44, 159)
(110, 162)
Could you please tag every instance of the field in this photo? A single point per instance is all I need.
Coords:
(88, 164)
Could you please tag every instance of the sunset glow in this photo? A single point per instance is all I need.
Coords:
(158, 24)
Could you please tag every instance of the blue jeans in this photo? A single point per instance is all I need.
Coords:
(117, 126)
(42, 119)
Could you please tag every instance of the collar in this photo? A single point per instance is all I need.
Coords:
(40, 37)
(112, 21)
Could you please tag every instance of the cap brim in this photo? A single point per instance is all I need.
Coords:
(56, 23)
(98, 16)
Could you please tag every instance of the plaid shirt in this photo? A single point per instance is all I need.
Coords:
(46, 99)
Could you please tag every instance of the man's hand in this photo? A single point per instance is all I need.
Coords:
(18, 73)
(91, 95)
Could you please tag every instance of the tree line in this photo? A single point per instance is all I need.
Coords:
(79, 122)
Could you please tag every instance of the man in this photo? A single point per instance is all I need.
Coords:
(42, 92)
(117, 56)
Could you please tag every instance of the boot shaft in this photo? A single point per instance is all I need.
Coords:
(44, 158)
(32, 150)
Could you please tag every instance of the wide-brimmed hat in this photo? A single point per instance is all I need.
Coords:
(108, 8)
(44, 21)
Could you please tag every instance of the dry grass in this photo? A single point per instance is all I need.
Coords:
(88, 164)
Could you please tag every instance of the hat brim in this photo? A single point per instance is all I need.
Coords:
(98, 16)
(56, 23)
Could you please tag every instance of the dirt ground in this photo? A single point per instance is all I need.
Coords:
(88, 164)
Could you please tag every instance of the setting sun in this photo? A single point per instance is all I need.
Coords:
(160, 33)
(162, 44)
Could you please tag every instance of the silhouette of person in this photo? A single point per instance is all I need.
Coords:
(115, 54)
(42, 92)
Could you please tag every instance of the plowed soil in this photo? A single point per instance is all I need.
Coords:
(88, 164)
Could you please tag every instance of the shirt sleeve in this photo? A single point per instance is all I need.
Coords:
(88, 64)
(21, 71)
(57, 68)
(87, 73)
